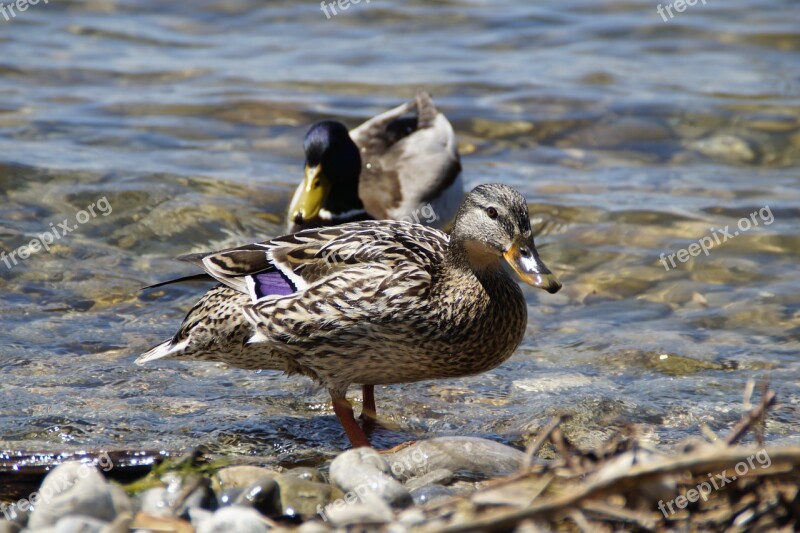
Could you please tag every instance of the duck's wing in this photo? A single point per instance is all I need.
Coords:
(408, 162)
(290, 264)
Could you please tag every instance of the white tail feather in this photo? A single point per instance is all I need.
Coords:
(165, 349)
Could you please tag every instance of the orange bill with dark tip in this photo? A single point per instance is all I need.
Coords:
(524, 260)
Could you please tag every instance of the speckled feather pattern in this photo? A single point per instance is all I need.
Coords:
(379, 303)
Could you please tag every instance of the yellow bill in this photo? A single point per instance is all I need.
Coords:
(310, 195)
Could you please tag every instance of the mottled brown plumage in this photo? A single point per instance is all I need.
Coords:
(372, 303)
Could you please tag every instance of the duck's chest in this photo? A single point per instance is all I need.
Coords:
(484, 320)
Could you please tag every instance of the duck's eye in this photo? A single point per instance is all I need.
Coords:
(492, 212)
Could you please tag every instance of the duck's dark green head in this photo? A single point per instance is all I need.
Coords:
(330, 189)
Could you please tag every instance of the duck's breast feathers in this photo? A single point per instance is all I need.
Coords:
(287, 265)
(407, 162)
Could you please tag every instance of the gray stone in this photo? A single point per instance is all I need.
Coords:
(234, 519)
(313, 527)
(440, 476)
(299, 497)
(155, 502)
(431, 493)
(73, 488)
(243, 476)
(375, 511)
(305, 473)
(122, 503)
(7, 526)
(363, 472)
(163, 501)
(79, 524)
(466, 455)
(198, 516)
(264, 495)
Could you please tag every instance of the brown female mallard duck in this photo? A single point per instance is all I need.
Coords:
(372, 303)
(393, 166)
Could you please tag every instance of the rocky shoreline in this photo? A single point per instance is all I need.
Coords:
(440, 484)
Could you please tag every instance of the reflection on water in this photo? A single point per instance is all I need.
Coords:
(631, 137)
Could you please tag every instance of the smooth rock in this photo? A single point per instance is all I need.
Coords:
(305, 473)
(198, 516)
(79, 524)
(362, 473)
(155, 502)
(234, 519)
(229, 496)
(299, 497)
(243, 476)
(163, 501)
(264, 496)
(469, 455)
(7, 526)
(121, 524)
(313, 526)
(431, 493)
(412, 517)
(73, 488)
(440, 476)
(373, 513)
(121, 500)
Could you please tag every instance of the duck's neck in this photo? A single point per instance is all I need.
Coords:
(470, 259)
(484, 313)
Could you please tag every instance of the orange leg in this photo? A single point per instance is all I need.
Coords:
(344, 411)
(369, 413)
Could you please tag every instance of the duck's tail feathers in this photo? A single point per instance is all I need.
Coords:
(167, 348)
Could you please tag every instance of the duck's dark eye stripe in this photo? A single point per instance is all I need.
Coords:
(492, 212)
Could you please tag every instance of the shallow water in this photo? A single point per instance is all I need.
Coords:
(631, 137)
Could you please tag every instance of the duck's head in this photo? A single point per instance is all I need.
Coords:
(491, 227)
(330, 188)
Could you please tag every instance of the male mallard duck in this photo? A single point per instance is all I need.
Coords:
(373, 302)
(390, 167)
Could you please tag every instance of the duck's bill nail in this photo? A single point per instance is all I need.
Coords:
(524, 260)
(316, 186)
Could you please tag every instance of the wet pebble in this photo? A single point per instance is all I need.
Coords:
(234, 519)
(264, 496)
(79, 524)
(242, 476)
(375, 512)
(313, 526)
(440, 475)
(305, 473)
(6, 526)
(299, 497)
(364, 473)
(71, 489)
(431, 493)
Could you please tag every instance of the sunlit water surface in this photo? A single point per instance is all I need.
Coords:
(631, 138)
